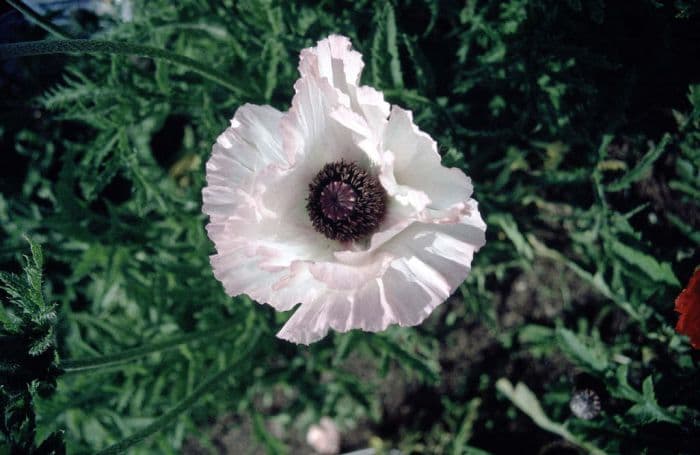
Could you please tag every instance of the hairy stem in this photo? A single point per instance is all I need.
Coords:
(86, 46)
(82, 365)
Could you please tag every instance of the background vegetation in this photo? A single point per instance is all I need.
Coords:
(578, 121)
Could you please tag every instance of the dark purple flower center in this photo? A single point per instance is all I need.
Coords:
(337, 200)
(345, 201)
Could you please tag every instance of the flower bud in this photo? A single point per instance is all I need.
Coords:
(324, 437)
(585, 404)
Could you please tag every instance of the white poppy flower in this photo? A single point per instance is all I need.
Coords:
(339, 205)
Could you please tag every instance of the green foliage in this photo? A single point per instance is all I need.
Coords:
(646, 408)
(27, 325)
(588, 179)
(524, 399)
(591, 356)
(641, 168)
(27, 357)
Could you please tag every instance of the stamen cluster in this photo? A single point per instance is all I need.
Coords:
(345, 201)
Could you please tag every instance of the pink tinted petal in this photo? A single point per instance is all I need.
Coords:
(220, 201)
(312, 137)
(417, 163)
(337, 310)
(239, 273)
(373, 107)
(336, 275)
(423, 267)
(410, 301)
(247, 146)
(292, 287)
(363, 134)
(435, 261)
(333, 59)
(267, 271)
(404, 194)
(368, 311)
(448, 249)
(307, 324)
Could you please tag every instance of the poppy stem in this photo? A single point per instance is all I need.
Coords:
(186, 403)
(88, 46)
(95, 363)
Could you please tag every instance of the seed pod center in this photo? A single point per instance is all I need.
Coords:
(345, 201)
(337, 200)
